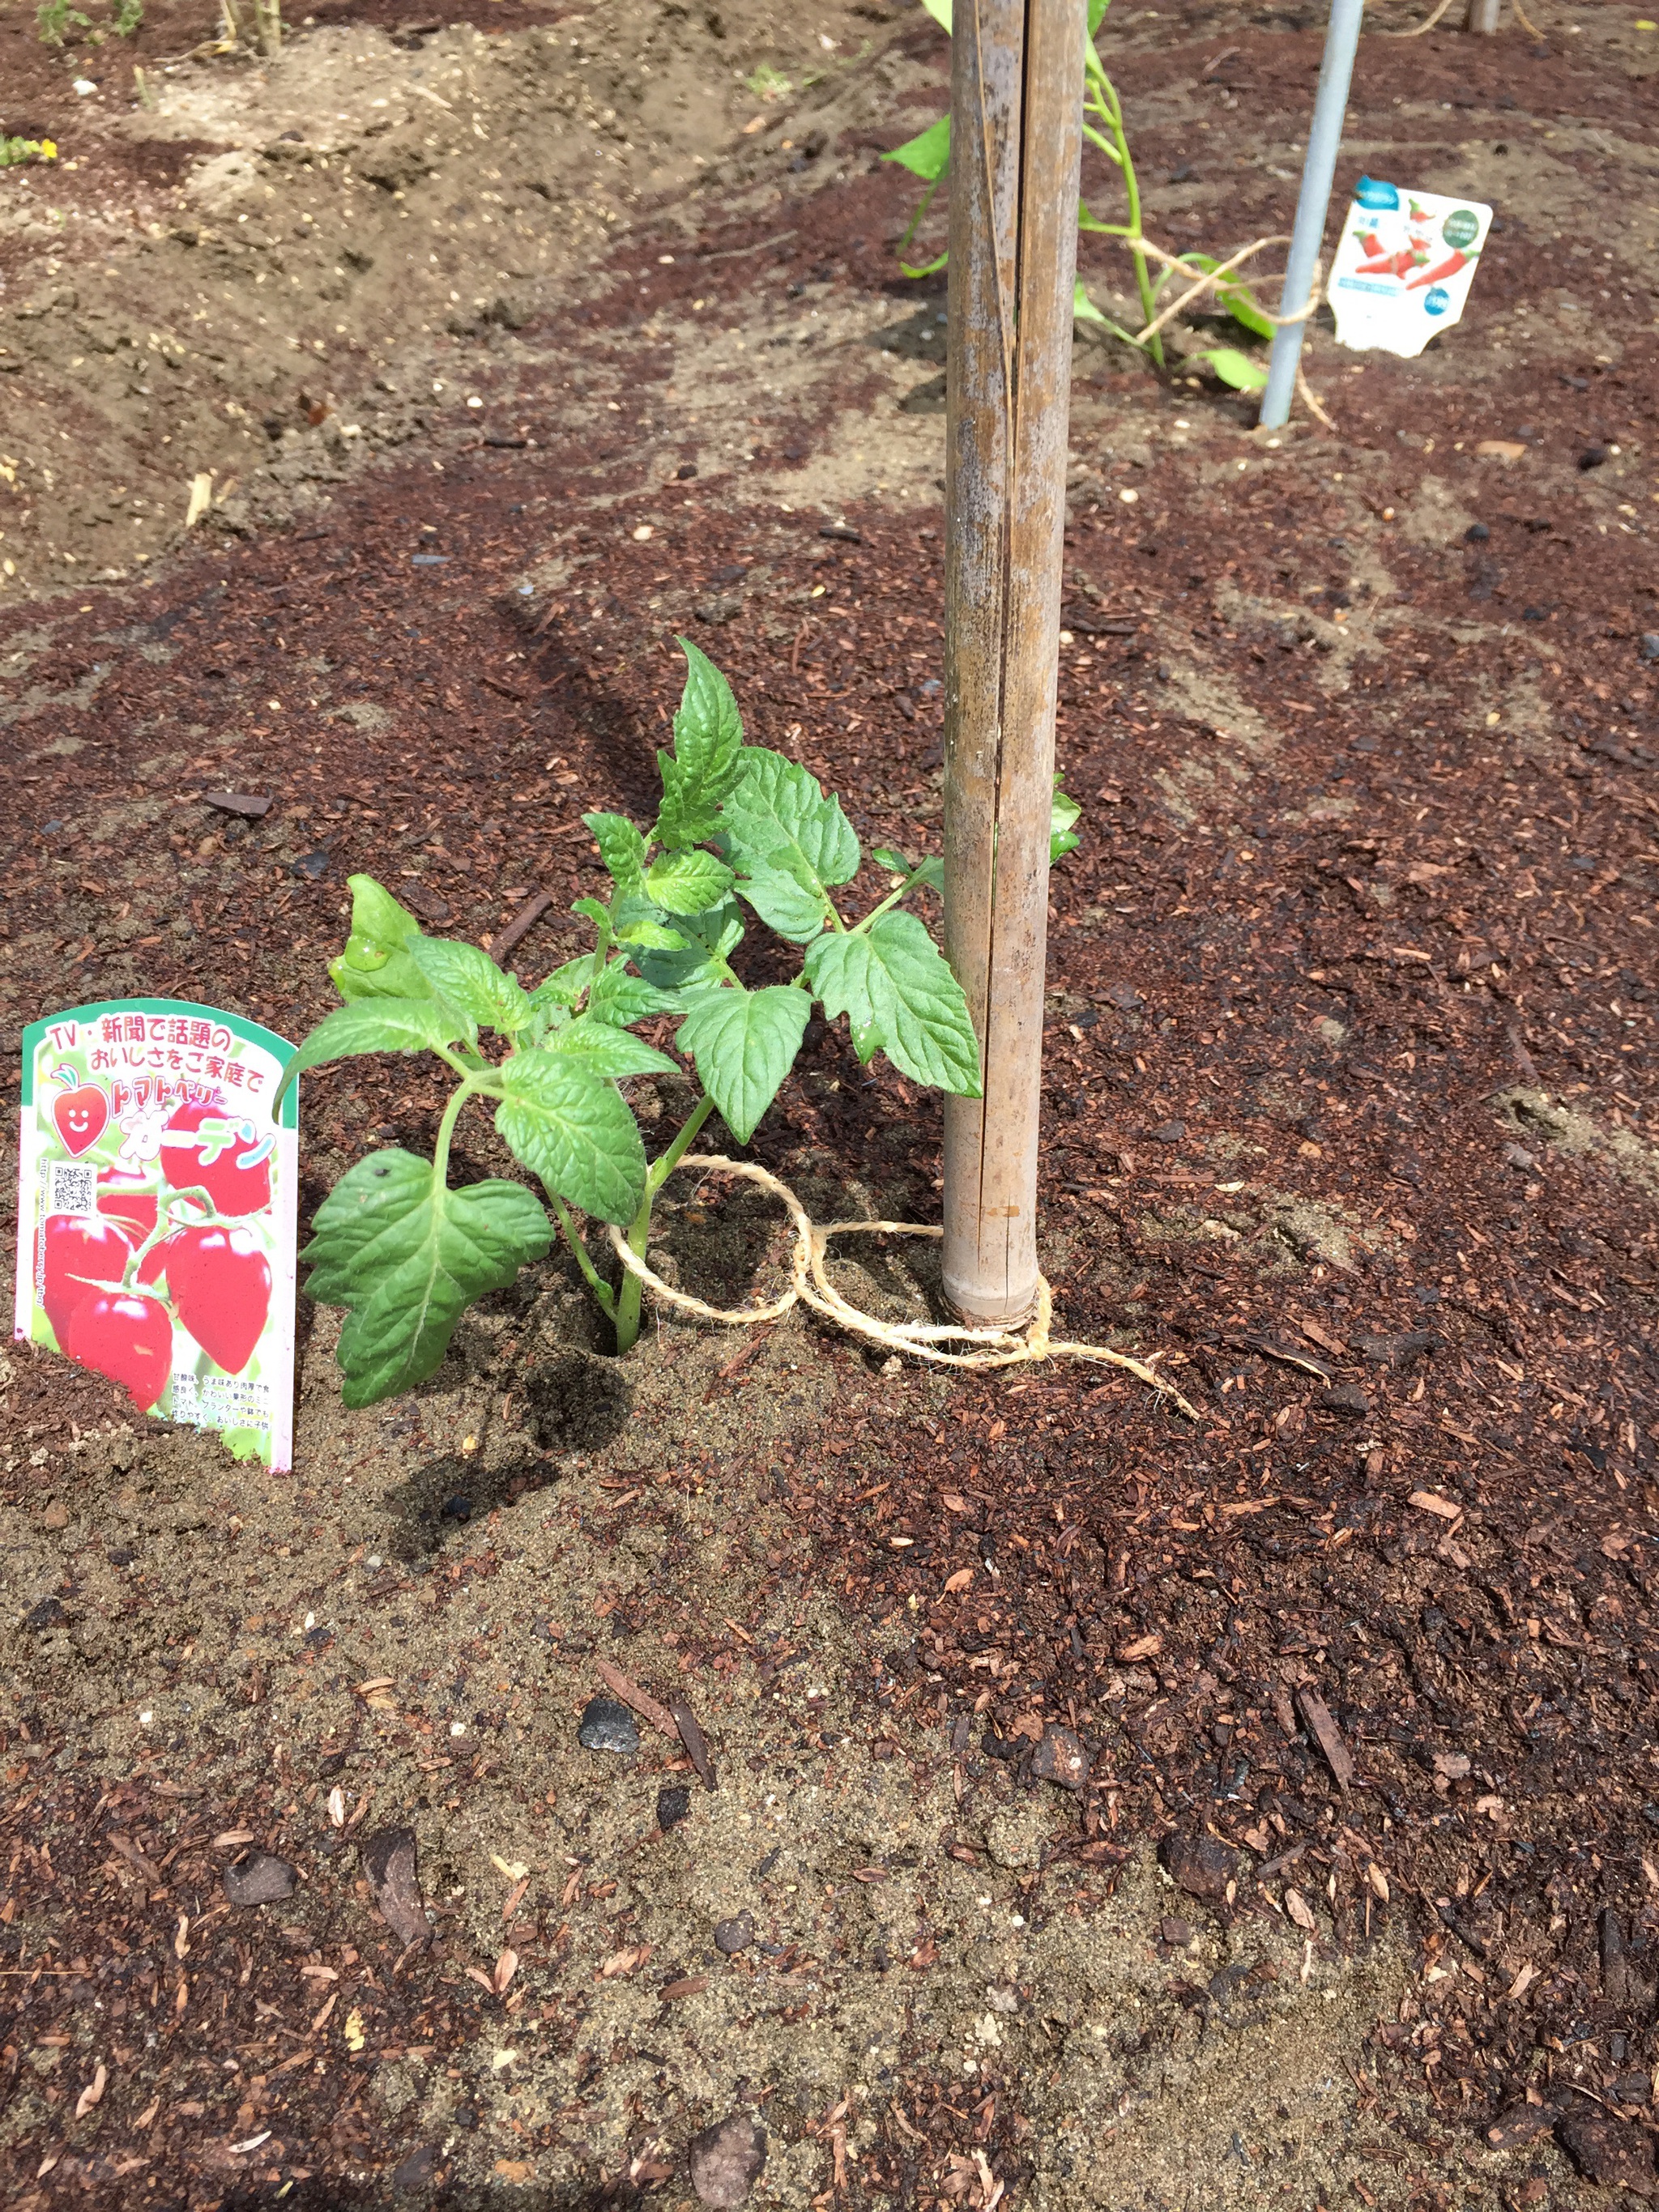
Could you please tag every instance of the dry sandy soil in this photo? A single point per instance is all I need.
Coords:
(512, 348)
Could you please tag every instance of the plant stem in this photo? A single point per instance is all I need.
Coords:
(1105, 104)
(605, 1297)
(627, 1314)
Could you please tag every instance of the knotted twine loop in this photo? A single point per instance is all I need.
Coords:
(811, 1286)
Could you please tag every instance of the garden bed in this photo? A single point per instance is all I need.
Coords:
(1348, 1117)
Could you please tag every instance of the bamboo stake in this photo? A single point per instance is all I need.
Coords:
(1016, 141)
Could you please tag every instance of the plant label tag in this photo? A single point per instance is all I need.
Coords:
(1403, 267)
(157, 1211)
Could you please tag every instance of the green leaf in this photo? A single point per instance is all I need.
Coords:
(779, 820)
(570, 1126)
(469, 979)
(928, 154)
(1236, 368)
(687, 882)
(744, 1043)
(609, 1051)
(1098, 14)
(926, 875)
(1083, 309)
(795, 909)
(591, 909)
(897, 991)
(375, 963)
(408, 1257)
(1237, 298)
(940, 12)
(705, 764)
(565, 986)
(1064, 813)
(650, 936)
(619, 999)
(895, 863)
(621, 847)
(381, 1025)
(711, 939)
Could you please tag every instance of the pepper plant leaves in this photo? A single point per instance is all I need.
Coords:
(705, 762)
(899, 996)
(469, 979)
(407, 1257)
(1236, 368)
(381, 1025)
(744, 1043)
(570, 1125)
(927, 155)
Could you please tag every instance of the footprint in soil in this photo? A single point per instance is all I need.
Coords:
(578, 1402)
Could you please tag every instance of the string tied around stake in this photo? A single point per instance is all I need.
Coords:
(810, 1285)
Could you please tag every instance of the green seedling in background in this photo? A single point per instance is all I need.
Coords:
(738, 828)
(927, 155)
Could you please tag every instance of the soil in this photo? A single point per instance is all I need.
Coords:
(1127, 1812)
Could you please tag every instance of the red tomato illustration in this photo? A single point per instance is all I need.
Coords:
(201, 1148)
(82, 1117)
(125, 1200)
(80, 1251)
(127, 1337)
(220, 1283)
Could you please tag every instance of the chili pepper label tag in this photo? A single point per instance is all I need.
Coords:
(158, 1211)
(1403, 266)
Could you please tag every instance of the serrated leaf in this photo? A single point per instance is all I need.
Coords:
(571, 1126)
(565, 986)
(591, 909)
(408, 1257)
(620, 998)
(704, 764)
(381, 1025)
(796, 910)
(899, 996)
(687, 882)
(608, 1051)
(650, 936)
(927, 155)
(467, 978)
(779, 818)
(744, 1043)
(621, 847)
(711, 937)
(1236, 368)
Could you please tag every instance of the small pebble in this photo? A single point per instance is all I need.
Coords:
(49, 1613)
(1650, 645)
(673, 1806)
(1176, 1931)
(1198, 1864)
(260, 1878)
(734, 1935)
(727, 2161)
(607, 1726)
(1345, 1398)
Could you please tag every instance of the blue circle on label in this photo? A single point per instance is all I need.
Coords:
(1436, 300)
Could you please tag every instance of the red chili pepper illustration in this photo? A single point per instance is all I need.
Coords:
(1393, 264)
(1448, 268)
(1370, 243)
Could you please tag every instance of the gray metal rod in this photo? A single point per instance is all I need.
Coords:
(1313, 201)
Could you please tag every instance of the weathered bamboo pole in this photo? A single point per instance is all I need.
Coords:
(1016, 120)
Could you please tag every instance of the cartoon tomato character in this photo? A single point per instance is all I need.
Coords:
(80, 1250)
(220, 1283)
(205, 1149)
(126, 1337)
(81, 1115)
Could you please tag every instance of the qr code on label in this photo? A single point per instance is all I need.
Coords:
(74, 1189)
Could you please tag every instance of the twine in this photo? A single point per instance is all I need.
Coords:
(811, 1286)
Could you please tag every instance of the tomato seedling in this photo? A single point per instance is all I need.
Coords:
(739, 828)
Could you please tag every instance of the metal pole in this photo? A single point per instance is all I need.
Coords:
(1015, 111)
(1482, 16)
(1324, 136)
